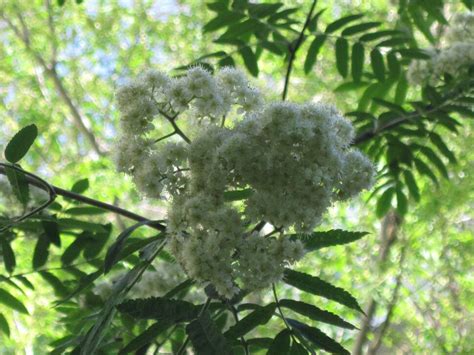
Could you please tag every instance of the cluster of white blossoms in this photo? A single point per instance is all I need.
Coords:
(454, 59)
(289, 161)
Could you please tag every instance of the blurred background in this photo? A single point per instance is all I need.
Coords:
(59, 68)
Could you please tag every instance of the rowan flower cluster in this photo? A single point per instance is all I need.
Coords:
(454, 59)
(287, 163)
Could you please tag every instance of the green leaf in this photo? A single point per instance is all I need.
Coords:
(19, 185)
(41, 253)
(357, 61)
(51, 230)
(313, 24)
(384, 202)
(378, 67)
(401, 91)
(281, 344)
(59, 288)
(73, 250)
(315, 313)
(74, 224)
(8, 255)
(411, 184)
(297, 349)
(237, 195)
(318, 287)
(206, 337)
(145, 338)
(86, 210)
(4, 325)
(21, 143)
(379, 34)
(431, 155)
(424, 169)
(114, 251)
(263, 10)
(313, 51)
(319, 240)
(317, 337)
(222, 20)
(342, 56)
(185, 285)
(80, 186)
(442, 147)
(12, 302)
(402, 202)
(258, 317)
(334, 26)
(159, 308)
(393, 65)
(352, 30)
(250, 60)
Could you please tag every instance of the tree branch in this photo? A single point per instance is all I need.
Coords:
(294, 48)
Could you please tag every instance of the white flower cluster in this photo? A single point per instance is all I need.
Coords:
(291, 160)
(454, 59)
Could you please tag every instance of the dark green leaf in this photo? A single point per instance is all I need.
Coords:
(357, 61)
(74, 224)
(250, 60)
(80, 186)
(222, 20)
(12, 302)
(4, 328)
(73, 250)
(402, 202)
(401, 91)
(237, 195)
(281, 344)
(59, 288)
(41, 253)
(318, 240)
(318, 287)
(52, 232)
(19, 185)
(431, 155)
(424, 169)
(313, 23)
(258, 317)
(313, 51)
(378, 66)
(8, 255)
(298, 349)
(206, 337)
(320, 339)
(443, 148)
(159, 308)
(379, 34)
(411, 184)
(384, 202)
(21, 143)
(316, 313)
(342, 56)
(86, 210)
(334, 26)
(185, 285)
(113, 253)
(393, 65)
(352, 30)
(145, 338)
(263, 10)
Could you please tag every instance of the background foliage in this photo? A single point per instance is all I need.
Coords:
(412, 275)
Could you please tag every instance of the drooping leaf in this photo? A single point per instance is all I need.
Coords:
(342, 56)
(424, 169)
(315, 313)
(317, 337)
(223, 19)
(86, 210)
(402, 202)
(281, 344)
(250, 60)
(313, 23)
(206, 337)
(41, 252)
(411, 184)
(357, 61)
(19, 185)
(378, 66)
(258, 317)
(20, 143)
(159, 308)
(7, 254)
(297, 349)
(318, 287)
(58, 286)
(4, 328)
(12, 302)
(51, 230)
(73, 250)
(313, 51)
(384, 202)
(318, 240)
